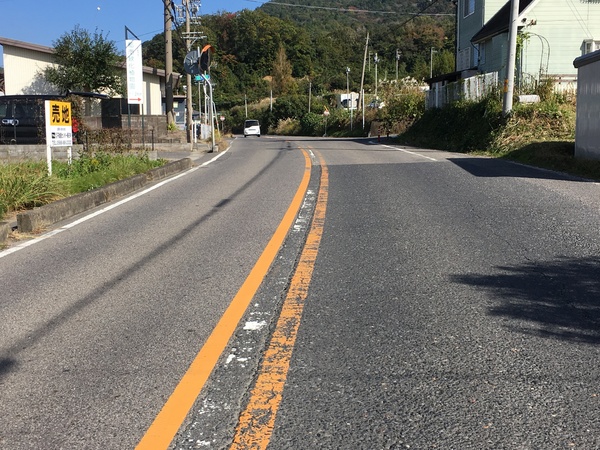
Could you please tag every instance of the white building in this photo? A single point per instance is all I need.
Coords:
(24, 64)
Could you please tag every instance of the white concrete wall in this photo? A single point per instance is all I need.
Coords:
(152, 95)
(22, 71)
(587, 132)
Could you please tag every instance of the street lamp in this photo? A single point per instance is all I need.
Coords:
(398, 53)
(348, 94)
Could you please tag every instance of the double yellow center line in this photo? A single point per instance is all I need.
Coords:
(256, 422)
(253, 431)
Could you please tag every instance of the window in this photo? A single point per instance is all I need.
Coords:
(481, 51)
(464, 59)
(468, 7)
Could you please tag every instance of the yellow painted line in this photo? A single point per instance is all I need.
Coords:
(256, 423)
(168, 421)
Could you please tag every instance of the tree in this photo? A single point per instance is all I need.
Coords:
(282, 72)
(87, 62)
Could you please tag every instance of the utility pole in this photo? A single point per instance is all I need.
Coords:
(362, 77)
(188, 77)
(168, 62)
(376, 61)
(188, 11)
(398, 53)
(509, 82)
(431, 52)
(348, 99)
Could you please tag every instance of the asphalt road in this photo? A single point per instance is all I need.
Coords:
(452, 302)
(101, 321)
(455, 304)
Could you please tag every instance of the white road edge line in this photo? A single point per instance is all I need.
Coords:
(408, 151)
(40, 238)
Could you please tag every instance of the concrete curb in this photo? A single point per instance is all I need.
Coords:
(4, 227)
(54, 212)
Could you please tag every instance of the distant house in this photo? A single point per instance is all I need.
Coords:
(552, 32)
(24, 64)
(472, 15)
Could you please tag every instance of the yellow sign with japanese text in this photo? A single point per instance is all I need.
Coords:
(59, 124)
(60, 113)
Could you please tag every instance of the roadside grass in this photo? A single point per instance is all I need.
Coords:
(555, 155)
(540, 134)
(27, 185)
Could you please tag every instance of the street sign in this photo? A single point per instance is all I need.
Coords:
(202, 78)
(190, 63)
(58, 124)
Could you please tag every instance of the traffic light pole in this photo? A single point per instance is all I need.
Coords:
(211, 116)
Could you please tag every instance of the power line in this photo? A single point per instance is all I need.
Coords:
(365, 11)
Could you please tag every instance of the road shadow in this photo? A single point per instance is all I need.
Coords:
(558, 299)
(6, 365)
(11, 351)
(494, 168)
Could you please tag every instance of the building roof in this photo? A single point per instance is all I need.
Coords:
(499, 23)
(49, 50)
(587, 59)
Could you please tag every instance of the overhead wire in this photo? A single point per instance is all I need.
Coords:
(353, 10)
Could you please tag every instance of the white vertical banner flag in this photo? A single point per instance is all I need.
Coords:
(135, 75)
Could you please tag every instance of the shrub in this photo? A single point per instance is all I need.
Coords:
(403, 109)
(460, 126)
(27, 185)
(288, 127)
(312, 124)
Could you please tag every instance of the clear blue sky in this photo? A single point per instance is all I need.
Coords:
(44, 21)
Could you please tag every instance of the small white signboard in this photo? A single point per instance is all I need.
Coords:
(135, 74)
(58, 124)
(59, 131)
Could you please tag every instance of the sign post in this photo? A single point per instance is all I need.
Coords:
(59, 131)
(206, 78)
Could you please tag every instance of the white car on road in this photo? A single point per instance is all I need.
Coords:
(251, 127)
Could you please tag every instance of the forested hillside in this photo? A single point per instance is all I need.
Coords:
(281, 47)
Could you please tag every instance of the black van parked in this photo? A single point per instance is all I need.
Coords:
(22, 118)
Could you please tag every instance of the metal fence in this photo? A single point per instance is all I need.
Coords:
(472, 88)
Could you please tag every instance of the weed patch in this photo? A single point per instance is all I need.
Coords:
(27, 185)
